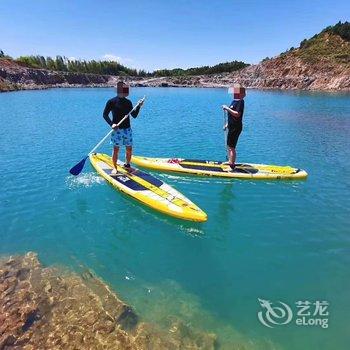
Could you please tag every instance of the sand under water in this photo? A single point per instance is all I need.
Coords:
(51, 308)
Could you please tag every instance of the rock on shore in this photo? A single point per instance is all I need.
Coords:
(15, 76)
(46, 308)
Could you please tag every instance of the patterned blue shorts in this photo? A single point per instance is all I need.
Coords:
(122, 137)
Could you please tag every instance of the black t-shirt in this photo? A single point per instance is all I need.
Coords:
(120, 107)
(238, 106)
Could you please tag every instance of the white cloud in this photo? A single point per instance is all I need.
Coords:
(66, 59)
(111, 57)
(122, 60)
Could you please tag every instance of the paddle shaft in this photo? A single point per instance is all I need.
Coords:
(109, 132)
(225, 134)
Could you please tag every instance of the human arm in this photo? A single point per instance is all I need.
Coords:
(136, 111)
(231, 112)
(235, 110)
(106, 112)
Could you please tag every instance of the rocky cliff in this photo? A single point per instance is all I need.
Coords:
(324, 64)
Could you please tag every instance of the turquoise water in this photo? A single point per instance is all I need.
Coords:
(285, 241)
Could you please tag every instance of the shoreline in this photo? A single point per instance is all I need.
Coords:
(164, 85)
(270, 75)
(321, 63)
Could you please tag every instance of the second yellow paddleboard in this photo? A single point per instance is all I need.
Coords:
(220, 169)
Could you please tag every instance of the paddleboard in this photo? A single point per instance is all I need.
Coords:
(220, 169)
(147, 189)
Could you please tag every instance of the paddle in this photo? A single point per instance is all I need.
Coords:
(225, 133)
(77, 169)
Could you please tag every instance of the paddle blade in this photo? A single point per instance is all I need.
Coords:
(76, 170)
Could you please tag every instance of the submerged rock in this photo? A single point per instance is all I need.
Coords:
(46, 308)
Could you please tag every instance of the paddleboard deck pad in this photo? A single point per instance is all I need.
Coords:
(147, 189)
(220, 169)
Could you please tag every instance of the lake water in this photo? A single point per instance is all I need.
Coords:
(278, 241)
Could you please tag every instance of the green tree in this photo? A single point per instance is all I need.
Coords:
(303, 43)
(50, 63)
(341, 29)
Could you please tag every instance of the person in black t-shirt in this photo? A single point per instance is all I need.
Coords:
(234, 121)
(120, 106)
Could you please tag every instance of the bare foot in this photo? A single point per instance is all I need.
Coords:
(232, 166)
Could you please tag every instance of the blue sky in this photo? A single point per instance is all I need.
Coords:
(158, 34)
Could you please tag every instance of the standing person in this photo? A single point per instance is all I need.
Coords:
(234, 121)
(120, 106)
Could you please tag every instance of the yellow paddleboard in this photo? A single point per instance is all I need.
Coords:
(147, 189)
(220, 169)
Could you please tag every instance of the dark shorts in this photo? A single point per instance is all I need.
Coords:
(232, 137)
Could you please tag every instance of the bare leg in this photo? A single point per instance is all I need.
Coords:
(115, 156)
(232, 155)
(128, 154)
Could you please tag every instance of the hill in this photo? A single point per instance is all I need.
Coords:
(319, 63)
